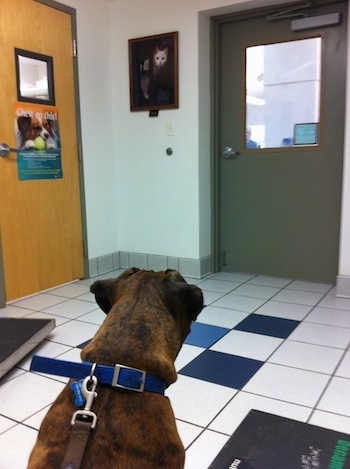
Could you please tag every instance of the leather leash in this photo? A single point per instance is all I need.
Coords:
(77, 444)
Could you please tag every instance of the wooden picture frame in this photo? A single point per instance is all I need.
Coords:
(154, 74)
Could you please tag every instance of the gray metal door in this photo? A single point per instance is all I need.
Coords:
(279, 206)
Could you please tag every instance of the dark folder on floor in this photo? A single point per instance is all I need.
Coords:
(19, 336)
(265, 441)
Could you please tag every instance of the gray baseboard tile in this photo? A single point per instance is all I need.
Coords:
(206, 265)
(116, 260)
(342, 288)
(189, 268)
(124, 260)
(137, 260)
(173, 263)
(157, 262)
(192, 268)
(93, 270)
(104, 264)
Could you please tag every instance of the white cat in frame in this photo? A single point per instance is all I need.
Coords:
(153, 68)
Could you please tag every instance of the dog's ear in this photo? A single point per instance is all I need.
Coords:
(196, 301)
(190, 295)
(24, 123)
(174, 276)
(102, 291)
(105, 291)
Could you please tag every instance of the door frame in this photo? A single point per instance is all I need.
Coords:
(216, 23)
(72, 12)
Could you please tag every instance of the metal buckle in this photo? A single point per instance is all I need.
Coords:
(118, 368)
(85, 416)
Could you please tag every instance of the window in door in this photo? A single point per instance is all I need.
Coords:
(283, 82)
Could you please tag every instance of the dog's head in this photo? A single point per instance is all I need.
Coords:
(168, 286)
(145, 310)
(31, 127)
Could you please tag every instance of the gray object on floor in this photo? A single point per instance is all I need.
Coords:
(20, 336)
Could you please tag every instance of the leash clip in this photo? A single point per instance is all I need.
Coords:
(83, 421)
(87, 415)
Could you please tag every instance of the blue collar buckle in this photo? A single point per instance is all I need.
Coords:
(117, 375)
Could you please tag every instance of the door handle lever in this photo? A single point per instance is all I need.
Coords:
(5, 150)
(228, 152)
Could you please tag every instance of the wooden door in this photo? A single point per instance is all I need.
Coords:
(40, 219)
(280, 207)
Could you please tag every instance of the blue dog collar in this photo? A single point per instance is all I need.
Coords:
(118, 376)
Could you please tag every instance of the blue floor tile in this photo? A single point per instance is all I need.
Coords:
(204, 335)
(222, 368)
(267, 325)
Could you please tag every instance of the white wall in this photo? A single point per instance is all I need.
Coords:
(139, 199)
(160, 212)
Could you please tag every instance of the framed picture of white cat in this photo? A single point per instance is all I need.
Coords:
(154, 70)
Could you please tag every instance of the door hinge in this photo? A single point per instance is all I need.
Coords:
(80, 152)
(223, 258)
(85, 253)
(74, 48)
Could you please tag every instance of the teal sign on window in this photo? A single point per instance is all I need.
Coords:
(306, 134)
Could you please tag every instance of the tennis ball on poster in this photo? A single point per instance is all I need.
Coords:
(39, 143)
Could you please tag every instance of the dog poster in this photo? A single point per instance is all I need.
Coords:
(38, 141)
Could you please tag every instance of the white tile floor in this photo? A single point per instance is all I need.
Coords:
(305, 377)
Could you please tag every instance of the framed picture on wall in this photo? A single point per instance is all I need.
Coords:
(153, 68)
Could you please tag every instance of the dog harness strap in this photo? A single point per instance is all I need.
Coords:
(119, 376)
(77, 443)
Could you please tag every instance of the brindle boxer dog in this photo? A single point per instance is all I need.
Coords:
(149, 315)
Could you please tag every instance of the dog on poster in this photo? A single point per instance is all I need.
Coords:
(28, 128)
